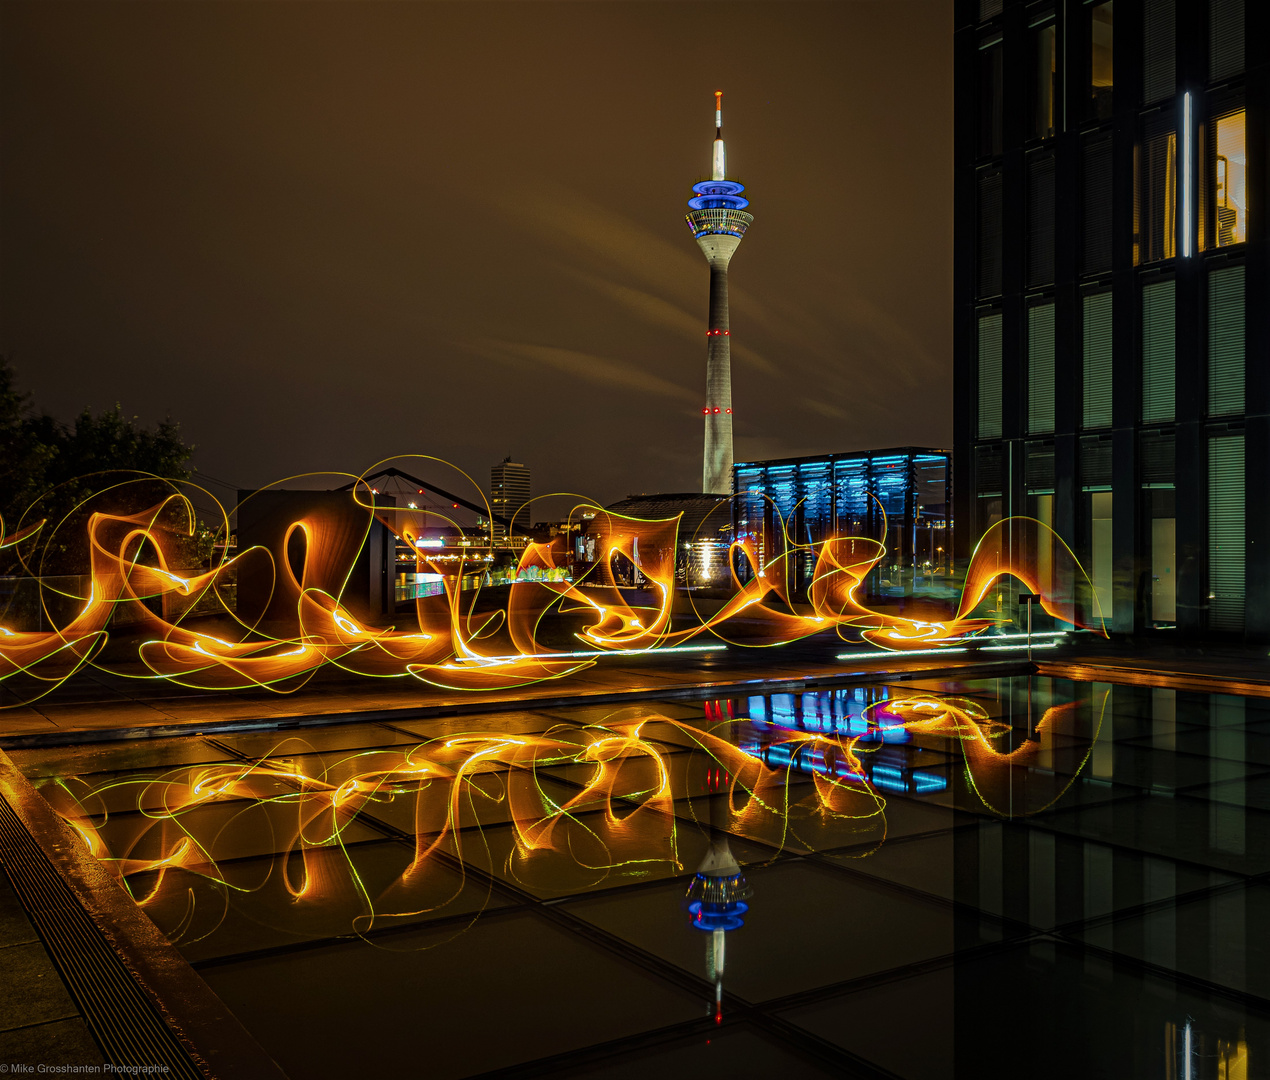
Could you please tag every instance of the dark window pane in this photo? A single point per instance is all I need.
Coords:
(1225, 38)
(990, 91)
(1040, 219)
(1155, 210)
(989, 261)
(990, 377)
(1100, 57)
(1096, 206)
(1159, 68)
(1045, 45)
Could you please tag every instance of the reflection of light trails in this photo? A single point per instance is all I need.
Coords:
(133, 562)
(572, 806)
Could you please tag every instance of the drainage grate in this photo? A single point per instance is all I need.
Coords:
(116, 1009)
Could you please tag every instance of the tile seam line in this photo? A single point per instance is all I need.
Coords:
(1159, 971)
(1147, 907)
(143, 962)
(797, 1041)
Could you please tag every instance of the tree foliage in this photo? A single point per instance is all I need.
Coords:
(48, 468)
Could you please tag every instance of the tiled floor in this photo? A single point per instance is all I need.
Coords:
(1082, 895)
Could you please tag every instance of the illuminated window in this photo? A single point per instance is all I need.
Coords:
(1226, 532)
(1158, 352)
(1040, 368)
(1096, 412)
(1230, 180)
(1046, 45)
(1226, 340)
(1100, 70)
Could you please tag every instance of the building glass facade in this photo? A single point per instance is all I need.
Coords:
(1112, 356)
(509, 495)
(901, 494)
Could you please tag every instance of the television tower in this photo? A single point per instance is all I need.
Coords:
(718, 222)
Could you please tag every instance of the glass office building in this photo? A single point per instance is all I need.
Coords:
(901, 494)
(1112, 297)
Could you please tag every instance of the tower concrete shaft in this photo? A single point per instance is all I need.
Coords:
(716, 474)
(718, 223)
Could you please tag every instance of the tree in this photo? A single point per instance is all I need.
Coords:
(48, 468)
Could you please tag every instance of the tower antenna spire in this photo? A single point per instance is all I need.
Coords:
(720, 156)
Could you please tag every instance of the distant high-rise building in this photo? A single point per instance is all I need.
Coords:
(718, 223)
(509, 495)
(1112, 297)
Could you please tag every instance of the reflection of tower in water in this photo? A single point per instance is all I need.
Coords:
(718, 891)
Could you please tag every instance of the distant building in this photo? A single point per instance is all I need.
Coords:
(901, 494)
(1112, 297)
(705, 532)
(509, 494)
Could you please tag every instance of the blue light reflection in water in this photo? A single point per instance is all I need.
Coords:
(841, 713)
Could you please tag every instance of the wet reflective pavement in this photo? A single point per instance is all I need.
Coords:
(1023, 876)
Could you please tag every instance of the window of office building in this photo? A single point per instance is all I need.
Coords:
(990, 376)
(1098, 507)
(1155, 204)
(1226, 532)
(1225, 38)
(1044, 87)
(1040, 369)
(1158, 352)
(1100, 57)
(1156, 455)
(1040, 219)
(1096, 206)
(1229, 179)
(1095, 481)
(1096, 412)
(989, 254)
(989, 486)
(1226, 341)
(1159, 61)
(991, 91)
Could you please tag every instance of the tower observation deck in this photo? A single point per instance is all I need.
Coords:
(718, 221)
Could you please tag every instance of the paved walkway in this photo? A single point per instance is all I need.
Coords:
(95, 704)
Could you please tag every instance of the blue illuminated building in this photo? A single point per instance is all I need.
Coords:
(902, 495)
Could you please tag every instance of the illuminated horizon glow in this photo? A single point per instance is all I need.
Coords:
(134, 569)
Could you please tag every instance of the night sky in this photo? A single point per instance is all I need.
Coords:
(319, 235)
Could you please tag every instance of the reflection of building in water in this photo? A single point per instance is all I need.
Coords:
(890, 765)
(902, 493)
(1194, 1053)
(718, 890)
(1109, 289)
